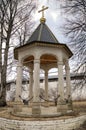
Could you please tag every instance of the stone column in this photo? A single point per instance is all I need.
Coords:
(36, 88)
(0, 77)
(18, 82)
(68, 83)
(60, 80)
(31, 84)
(18, 101)
(0, 80)
(0, 83)
(46, 86)
(61, 104)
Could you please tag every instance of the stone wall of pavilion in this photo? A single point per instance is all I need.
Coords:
(62, 124)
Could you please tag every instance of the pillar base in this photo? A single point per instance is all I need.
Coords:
(17, 106)
(45, 104)
(30, 104)
(36, 110)
(70, 106)
(62, 107)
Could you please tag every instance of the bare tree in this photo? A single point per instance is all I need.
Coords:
(75, 28)
(9, 24)
(8, 11)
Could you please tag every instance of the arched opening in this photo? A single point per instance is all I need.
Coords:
(28, 61)
(47, 62)
(47, 59)
(53, 83)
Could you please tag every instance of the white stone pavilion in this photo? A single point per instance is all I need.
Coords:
(43, 51)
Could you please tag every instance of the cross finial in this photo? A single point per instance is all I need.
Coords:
(42, 10)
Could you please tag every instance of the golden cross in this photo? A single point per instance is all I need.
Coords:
(42, 10)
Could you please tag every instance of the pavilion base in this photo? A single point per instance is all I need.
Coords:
(45, 104)
(17, 106)
(20, 122)
(36, 110)
(62, 108)
(70, 106)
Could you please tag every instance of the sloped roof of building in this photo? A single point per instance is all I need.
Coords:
(43, 34)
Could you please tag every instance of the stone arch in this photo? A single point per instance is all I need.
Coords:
(28, 60)
(47, 59)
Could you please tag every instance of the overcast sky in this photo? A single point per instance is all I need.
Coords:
(53, 17)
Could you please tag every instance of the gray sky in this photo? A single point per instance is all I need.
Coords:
(54, 18)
